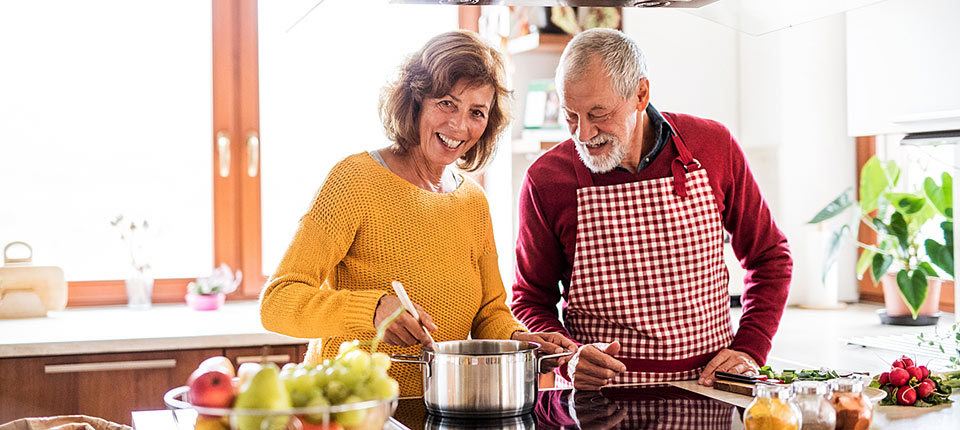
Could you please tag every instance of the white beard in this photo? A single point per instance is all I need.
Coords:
(606, 161)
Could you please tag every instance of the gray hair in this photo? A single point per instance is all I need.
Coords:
(622, 60)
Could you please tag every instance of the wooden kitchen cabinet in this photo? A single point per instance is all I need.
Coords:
(279, 354)
(108, 386)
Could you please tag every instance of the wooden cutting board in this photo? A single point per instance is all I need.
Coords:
(733, 387)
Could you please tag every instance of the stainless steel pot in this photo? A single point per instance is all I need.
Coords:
(479, 378)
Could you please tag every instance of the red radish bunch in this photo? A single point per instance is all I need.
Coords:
(908, 385)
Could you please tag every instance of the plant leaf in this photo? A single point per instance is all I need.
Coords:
(831, 253)
(913, 289)
(940, 255)
(940, 197)
(906, 203)
(898, 228)
(927, 269)
(881, 263)
(837, 206)
(873, 182)
(863, 263)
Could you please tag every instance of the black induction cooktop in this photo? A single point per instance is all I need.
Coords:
(645, 407)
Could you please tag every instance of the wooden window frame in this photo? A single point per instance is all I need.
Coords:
(869, 292)
(236, 197)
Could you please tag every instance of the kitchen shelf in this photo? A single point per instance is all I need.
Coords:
(538, 43)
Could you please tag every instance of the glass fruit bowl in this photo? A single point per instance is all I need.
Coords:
(366, 415)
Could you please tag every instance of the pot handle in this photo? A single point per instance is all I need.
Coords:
(400, 358)
(544, 357)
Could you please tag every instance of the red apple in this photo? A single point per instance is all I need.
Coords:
(218, 362)
(211, 388)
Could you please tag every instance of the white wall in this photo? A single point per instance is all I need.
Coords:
(794, 114)
(692, 63)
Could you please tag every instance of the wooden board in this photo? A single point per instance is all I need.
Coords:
(733, 387)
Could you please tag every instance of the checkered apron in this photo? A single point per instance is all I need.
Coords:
(648, 271)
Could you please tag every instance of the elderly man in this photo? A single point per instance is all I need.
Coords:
(629, 219)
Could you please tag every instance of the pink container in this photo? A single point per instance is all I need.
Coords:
(205, 303)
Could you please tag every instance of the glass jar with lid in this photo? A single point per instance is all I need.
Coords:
(854, 410)
(772, 408)
(811, 398)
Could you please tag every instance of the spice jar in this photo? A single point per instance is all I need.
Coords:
(811, 398)
(854, 411)
(772, 409)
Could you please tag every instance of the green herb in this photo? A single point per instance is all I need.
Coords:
(788, 375)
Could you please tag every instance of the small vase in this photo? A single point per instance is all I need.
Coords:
(205, 303)
(139, 289)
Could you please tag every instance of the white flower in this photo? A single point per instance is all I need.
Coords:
(222, 280)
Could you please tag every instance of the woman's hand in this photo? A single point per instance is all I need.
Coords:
(550, 343)
(405, 331)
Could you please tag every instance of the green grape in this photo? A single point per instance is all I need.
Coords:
(319, 400)
(340, 373)
(351, 418)
(382, 386)
(381, 360)
(300, 398)
(347, 347)
(335, 391)
(358, 364)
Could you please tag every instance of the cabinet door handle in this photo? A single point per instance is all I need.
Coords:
(253, 154)
(277, 358)
(110, 366)
(223, 153)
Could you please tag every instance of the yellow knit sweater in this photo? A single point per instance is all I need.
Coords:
(368, 227)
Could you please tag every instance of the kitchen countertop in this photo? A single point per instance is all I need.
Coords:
(109, 329)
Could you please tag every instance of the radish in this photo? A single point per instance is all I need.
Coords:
(906, 395)
(884, 378)
(898, 363)
(907, 362)
(926, 372)
(915, 372)
(925, 388)
(899, 377)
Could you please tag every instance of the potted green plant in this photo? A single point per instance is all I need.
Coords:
(207, 294)
(902, 221)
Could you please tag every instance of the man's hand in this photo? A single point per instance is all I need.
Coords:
(550, 343)
(405, 331)
(593, 366)
(730, 361)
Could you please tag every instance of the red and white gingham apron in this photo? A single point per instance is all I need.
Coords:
(648, 271)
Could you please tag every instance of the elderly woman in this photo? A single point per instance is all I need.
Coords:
(404, 213)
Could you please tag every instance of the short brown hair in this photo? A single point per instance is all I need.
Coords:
(432, 72)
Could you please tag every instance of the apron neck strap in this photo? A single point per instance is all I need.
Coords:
(684, 161)
(678, 167)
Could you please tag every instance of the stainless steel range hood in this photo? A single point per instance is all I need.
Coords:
(601, 3)
(753, 17)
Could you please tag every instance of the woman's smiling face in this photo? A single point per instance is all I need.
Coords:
(452, 124)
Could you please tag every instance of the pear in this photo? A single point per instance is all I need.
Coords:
(264, 390)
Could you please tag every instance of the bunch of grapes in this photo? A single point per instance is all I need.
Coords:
(354, 375)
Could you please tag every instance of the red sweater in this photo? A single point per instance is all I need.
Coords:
(548, 231)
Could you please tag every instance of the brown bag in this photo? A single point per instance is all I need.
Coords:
(64, 422)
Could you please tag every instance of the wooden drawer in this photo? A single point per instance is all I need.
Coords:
(107, 386)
